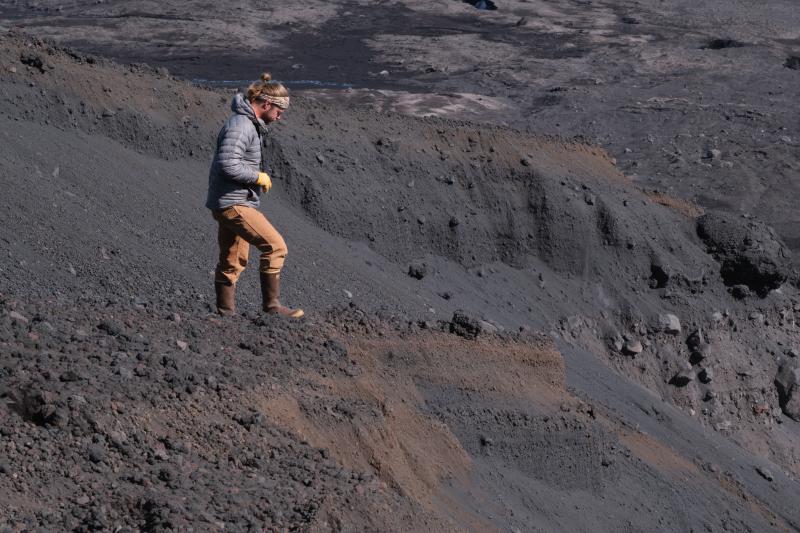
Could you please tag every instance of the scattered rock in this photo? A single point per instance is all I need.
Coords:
(182, 345)
(787, 382)
(766, 474)
(659, 276)
(683, 376)
(792, 62)
(117, 438)
(96, 453)
(17, 317)
(723, 425)
(111, 327)
(706, 375)
(632, 347)
(35, 61)
(417, 270)
(740, 292)
(669, 324)
(722, 43)
(750, 253)
(695, 340)
(699, 354)
(250, 420)
(465, 325)
(488, 327)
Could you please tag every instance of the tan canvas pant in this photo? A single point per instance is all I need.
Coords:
(239, 227)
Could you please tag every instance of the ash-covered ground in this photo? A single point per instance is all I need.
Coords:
(505, 331)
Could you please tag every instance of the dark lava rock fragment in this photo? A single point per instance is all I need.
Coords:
(740, 292)
(720, 44)
(35, 61)
(766, 474)
(417, 270)
(695, 340)
(659, 276)
(792, 62)
(111, 327)
(250, 419)
(465, 325)
(96, 453)
(750, 253)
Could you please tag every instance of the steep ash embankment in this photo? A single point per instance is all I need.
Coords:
(548, 233)
(373, 416)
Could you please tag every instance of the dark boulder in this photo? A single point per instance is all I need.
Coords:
(749, 252)
(465, 325)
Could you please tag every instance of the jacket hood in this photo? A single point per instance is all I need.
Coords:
(241, 106)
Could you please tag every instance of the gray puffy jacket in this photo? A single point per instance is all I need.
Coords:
(238, 159)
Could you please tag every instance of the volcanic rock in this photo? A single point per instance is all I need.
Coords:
(695, 340)
(632, 347)
(669, 323)
(787, 382)
(418, 270)
(763, 472)
(683, 376)
(465, 325)
(749, 252)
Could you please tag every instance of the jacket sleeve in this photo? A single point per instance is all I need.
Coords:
(231, 150)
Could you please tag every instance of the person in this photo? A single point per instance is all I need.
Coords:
(236, 181)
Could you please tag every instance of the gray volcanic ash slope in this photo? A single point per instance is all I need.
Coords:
(662, 397)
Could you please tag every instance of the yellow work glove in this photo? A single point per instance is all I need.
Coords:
(264, 181)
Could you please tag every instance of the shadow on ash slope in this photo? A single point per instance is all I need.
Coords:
(379, 417)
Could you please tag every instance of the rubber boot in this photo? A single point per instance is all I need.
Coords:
(226, 298)
(271, 294)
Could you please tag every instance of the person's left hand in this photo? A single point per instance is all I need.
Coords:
(265, 181)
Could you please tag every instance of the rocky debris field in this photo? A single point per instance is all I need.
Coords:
(134, 416)
(418, 394)
(158, 415)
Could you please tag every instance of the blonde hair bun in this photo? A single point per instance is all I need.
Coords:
(263, 88)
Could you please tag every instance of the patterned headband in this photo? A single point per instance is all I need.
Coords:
(280, 101)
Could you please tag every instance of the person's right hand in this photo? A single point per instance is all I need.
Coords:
(265, 181)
